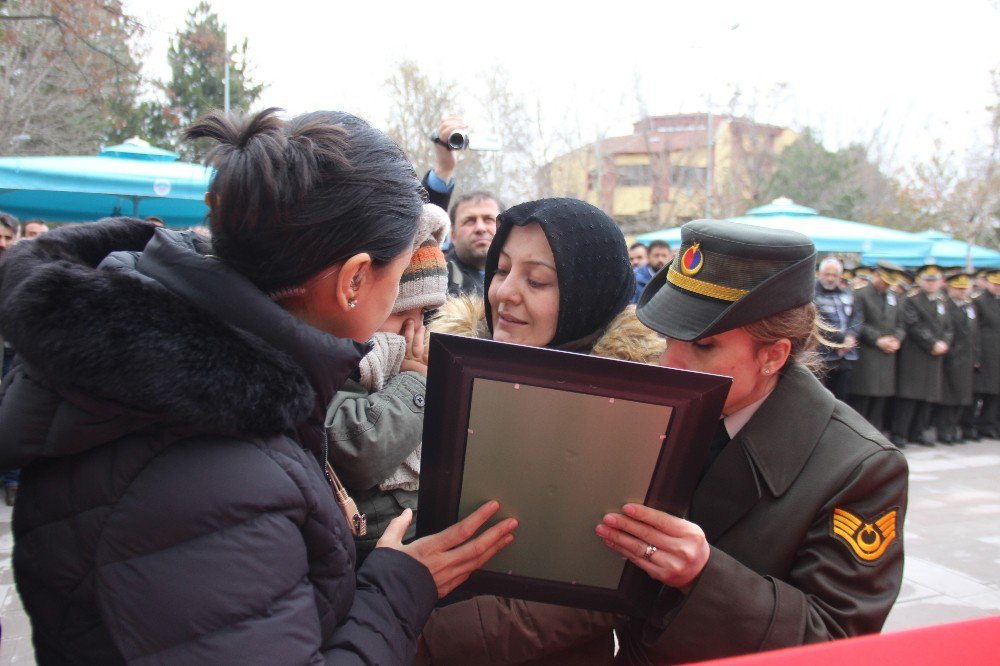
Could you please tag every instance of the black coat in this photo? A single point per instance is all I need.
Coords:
(171, 509)
(988, 315)
(960, 361)
(778, 575)
(918, 374)
(875, 372)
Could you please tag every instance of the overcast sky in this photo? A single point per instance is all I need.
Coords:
(919, 71)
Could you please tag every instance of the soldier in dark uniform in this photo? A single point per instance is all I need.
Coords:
(960, 361)
(880, 337)
(793, 535)
(921, 358)
(987, 383)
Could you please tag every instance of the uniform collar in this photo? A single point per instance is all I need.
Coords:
(769, 452)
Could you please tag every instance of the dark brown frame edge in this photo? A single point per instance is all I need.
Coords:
(454, 362)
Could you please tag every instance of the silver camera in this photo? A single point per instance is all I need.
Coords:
(459, 140)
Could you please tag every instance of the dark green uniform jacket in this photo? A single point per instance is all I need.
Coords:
(988, 315)
(918, 374)
(960, 361)
(875, 372)
(804, 513)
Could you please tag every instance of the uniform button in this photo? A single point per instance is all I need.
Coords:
(418, 400)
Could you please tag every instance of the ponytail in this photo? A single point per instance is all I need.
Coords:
(290, 198)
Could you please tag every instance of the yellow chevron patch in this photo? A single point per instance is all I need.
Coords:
(868, 541)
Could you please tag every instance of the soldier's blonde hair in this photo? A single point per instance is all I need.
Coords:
(802, 327)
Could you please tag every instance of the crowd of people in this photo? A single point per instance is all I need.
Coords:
(220, 434)
(918, 353)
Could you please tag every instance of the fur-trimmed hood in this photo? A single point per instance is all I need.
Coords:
(120, 325)
(625, 338)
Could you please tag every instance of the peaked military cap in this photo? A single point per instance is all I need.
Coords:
(863, 271)
(892, 274)
(959, 280)
(930, 272)
(726, 275)
(993, 276)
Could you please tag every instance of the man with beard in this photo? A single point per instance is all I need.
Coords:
(660, 255)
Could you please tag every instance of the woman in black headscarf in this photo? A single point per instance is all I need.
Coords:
(558, 276)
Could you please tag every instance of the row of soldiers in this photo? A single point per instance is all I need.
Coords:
(928, 353)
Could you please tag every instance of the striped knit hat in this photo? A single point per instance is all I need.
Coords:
(425, 281)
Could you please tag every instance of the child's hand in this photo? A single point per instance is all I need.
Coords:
(415, 358)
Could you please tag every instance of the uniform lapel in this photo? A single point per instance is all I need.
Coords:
(729, 489)
(767, 454)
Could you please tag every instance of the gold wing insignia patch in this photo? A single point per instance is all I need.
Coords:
(868, 540)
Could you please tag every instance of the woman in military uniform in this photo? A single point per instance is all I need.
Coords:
(882, 333)
(921, 358)
(960, 361)
(794, 532)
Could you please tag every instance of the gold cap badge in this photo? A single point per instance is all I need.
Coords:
(868, 541)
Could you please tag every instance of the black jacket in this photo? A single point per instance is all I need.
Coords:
(875, 372)
(958, 372)
(918, 374)
(171, 509)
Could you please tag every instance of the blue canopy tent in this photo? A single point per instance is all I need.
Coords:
(944, 251)
(133, 178)
(828, 233)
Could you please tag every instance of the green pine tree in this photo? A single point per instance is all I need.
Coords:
(197, 58)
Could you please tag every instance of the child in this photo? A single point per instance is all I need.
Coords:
(374, 423)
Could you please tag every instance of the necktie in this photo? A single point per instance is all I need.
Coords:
(719, 442)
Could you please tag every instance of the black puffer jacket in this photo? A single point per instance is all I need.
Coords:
(169, 417)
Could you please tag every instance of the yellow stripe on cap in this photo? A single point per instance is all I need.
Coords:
(930, 273)
(704, 288)
(887, 277)
(959, 282)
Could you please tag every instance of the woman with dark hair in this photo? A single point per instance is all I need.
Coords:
(794, 534)
(169, 411)
(557, 275)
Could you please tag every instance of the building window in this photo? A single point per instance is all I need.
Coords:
(593, 180)
(687, 177)
(634, 174)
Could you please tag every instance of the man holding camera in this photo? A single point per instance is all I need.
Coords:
(473, 215)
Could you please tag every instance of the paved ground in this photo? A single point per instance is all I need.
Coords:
(952, 546)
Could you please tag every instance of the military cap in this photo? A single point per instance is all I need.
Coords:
(863, 271)
(993, 276)
(930, 272)
(890, 273)
(848, 274)
(959, 280)
(726, 275)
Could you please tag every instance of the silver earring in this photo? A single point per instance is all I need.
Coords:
(352, 303)
(767, 371)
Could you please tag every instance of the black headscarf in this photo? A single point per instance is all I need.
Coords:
(595, 276)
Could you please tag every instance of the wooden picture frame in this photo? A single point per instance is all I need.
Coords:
(560, 439)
